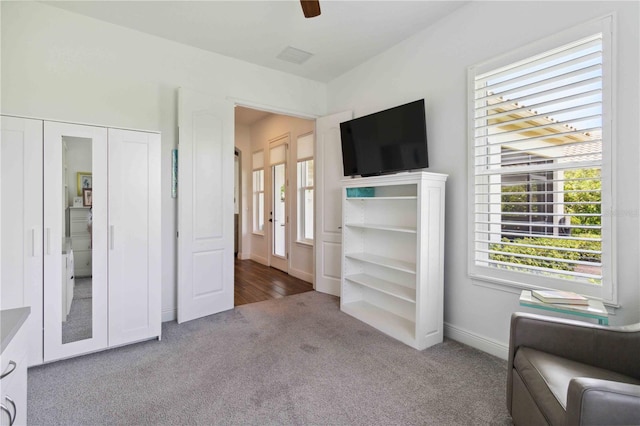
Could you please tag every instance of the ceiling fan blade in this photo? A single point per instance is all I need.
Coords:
(310, 8)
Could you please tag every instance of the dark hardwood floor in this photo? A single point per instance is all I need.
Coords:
(255, 282)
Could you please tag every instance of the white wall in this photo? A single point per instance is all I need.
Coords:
(262, 131)
(59, 65)
(433, 65)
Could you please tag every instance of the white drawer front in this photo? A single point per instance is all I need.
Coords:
(80, 244)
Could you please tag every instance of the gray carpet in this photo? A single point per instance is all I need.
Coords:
(78, 323)
(296, 360)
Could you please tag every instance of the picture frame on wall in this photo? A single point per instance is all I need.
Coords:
(84, 181)
(86, 197)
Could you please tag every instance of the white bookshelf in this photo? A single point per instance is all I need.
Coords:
(392, 255)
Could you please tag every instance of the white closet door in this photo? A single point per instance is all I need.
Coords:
(205, 205)
(21, 156)
(134, 236)
(90, 333)
(329, 172)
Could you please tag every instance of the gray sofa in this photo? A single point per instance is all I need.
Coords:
(564, 372)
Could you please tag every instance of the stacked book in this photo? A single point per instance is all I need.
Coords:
(560, 297)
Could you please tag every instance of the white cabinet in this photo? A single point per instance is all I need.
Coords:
(117, 265)
(21, 254)
(80, 240)
(13, 367)
(392, 255)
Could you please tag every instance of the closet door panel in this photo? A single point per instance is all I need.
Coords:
(75, 148)
(134, 236)
(21, 228)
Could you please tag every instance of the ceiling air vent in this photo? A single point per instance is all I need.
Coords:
(296, 56)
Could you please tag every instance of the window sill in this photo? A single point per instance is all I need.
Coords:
(258, 234)
(305, 243)
(516, 288)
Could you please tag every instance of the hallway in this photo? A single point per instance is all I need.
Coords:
(255, 282)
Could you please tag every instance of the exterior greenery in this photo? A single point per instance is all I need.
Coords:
(582, 196)
(586, 185)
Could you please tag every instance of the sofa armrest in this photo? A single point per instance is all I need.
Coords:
(599, 402)
(611, 348)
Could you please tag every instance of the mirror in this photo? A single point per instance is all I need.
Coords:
(77, 286)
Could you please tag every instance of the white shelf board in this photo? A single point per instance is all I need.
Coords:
(403, 197)
(399, 265)
(384, 286)
(391, 324)
(381, 227)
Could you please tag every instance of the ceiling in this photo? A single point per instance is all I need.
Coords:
(346, 34)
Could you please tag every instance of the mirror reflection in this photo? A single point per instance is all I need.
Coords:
(77, 241)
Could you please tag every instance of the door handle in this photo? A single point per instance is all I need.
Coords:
(15, 410)
(12, 366)
(48, 236)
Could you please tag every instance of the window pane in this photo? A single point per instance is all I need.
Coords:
(305, 200)
(309, 173)
(308, 214)
(258, 200)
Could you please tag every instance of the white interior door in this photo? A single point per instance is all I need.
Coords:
(21, 154)
(134, 236)
(89, 333)
(329, 172)
(278, 212)
(205, 205)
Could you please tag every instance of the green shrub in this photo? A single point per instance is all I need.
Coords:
(547, 253)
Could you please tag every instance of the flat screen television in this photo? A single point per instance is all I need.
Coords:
(388, 141)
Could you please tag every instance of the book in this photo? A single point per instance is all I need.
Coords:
(558, 296)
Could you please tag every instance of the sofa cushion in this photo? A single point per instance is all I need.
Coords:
(547, 378)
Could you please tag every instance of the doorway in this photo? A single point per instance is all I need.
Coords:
(269, 222)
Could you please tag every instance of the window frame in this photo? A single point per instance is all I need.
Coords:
(301, 210)
(510, 280)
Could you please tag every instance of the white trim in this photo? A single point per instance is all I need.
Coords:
(490, 346)
(303, 275)
(244, 256)
(169, 314)
(260, 259)
(271, 108)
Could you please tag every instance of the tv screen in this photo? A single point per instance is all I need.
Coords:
(388, 141)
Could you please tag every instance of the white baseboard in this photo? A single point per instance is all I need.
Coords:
(244, 256)
(304, 276)
(474, 340)
(169, 315)
(259, 259)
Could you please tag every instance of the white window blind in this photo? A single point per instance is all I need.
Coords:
(538, 153)
(305, 147)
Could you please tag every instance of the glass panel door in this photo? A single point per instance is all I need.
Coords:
(279, 211)
(279, 204)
